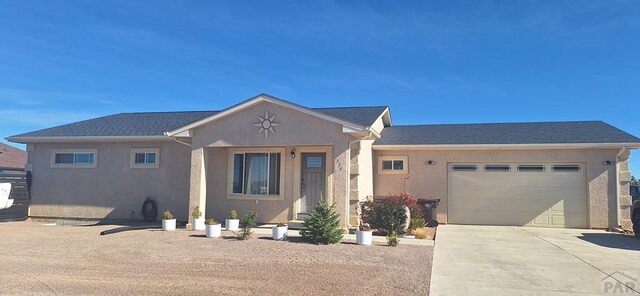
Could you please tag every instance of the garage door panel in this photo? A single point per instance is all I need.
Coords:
(548, 199)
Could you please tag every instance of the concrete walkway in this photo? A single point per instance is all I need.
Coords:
(494, 260)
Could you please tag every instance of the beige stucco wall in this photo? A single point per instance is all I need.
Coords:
(430, 181)
(296, 129)
(112, 190)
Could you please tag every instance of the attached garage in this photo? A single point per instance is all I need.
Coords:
(531, 194)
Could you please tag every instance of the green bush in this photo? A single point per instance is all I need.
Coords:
(211, 221)
(196, 214)
(392, 239)
(248, 221)
(233, 214)
(167, 215)
(417, 223)
(322, 226)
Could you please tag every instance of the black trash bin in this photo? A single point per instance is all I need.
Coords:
(429, 206)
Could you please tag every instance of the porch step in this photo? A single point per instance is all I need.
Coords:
(296, 224)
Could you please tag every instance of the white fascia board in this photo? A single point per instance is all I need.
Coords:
(259, 99)
(25, 140)
(507, 146)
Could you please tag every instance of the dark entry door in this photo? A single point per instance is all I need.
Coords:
(314, 180)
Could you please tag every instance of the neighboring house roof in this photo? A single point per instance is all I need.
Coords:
(577, 132)
(12, 158)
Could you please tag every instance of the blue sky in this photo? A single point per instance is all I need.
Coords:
(430, 61)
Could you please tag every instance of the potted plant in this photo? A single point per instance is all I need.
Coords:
(364, 235)
(233, 223)
(279, 231)
(168, 223)
(198, 221)
(213, 228)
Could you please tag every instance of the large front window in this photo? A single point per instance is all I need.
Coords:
(256, 173)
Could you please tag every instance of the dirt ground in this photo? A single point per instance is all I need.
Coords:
(76, 260)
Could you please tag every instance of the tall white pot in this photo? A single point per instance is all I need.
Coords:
(198, 224)
(364, 238)
(279, 233)
(169, 225)
(214, 230)
(232, 224)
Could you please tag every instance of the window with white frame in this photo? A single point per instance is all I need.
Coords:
(393, 165)
(145, 158)
(256, 173)
(74, 158)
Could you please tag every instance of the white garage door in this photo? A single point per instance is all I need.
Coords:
(545, 195)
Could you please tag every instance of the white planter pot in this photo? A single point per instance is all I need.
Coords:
(214, 230)
(169, 225)
(279, 233)
(198, 224)
(364, 238)
(232, 224)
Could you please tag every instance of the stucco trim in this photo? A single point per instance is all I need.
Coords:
(266, 98)
(507, 146)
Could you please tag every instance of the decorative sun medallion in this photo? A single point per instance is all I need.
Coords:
(266, 124)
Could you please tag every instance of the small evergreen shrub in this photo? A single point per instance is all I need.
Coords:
(322, 226)
(167, 215)
(196, 214)
(392, 239)
(211, 221)
(248, 221)
(233, 214)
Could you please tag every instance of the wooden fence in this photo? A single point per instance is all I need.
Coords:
(20, 195)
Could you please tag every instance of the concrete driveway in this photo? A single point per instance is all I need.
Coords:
(496, 260)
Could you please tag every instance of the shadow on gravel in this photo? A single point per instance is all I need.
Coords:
(198, 235)
(131, 228)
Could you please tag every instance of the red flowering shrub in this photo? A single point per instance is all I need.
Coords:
(388, 213)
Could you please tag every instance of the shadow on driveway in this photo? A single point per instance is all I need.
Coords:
(612, 240)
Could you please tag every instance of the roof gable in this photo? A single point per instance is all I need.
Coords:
(328, 114)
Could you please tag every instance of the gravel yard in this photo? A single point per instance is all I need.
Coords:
(66, 260)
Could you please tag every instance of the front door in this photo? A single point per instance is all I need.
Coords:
(314, 180)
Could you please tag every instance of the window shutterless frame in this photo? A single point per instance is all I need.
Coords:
(150, 160)
(76, 158)
(233, 192)
(393, 165)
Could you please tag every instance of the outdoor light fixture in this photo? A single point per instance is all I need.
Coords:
(293, 152)
(607, 162)
(430, 162)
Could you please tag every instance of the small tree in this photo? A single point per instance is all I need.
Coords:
(634, 181)
(248, 221)
(322, 226)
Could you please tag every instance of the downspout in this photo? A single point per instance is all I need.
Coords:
(618, 211)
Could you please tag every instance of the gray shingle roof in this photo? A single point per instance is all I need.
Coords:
(124, 124)
(505, 133)
(156, 123)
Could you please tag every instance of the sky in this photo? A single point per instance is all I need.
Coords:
(430, 61)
